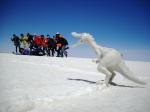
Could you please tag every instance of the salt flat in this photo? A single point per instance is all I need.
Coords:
(51, 84)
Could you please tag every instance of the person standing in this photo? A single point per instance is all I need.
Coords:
(16, 41)
(30, 41)
(51, 46)
(62, 45)
(58, 44)
(24, 40)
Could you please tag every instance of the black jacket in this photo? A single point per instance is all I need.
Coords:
(63, 41)
(16, 40)
(51, 42)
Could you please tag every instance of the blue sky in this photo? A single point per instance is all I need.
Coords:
(121, 24)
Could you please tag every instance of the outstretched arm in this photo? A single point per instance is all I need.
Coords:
(76, 44)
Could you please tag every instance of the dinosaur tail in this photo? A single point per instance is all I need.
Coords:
(127, 73)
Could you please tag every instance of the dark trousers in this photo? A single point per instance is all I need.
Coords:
(59, 51)
(17, 48)
(51, 51)
(63, 51)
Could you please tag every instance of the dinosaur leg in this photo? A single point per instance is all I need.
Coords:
(112, 77)
(104, 70)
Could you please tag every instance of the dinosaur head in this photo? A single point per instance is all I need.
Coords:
(83, 38)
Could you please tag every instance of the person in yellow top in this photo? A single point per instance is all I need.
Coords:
(24, 40)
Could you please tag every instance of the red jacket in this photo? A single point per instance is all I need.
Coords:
(37, 40)
(44, 42)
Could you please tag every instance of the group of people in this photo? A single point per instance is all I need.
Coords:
(40, 45)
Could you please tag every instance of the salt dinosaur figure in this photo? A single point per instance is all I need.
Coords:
(109, 60)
